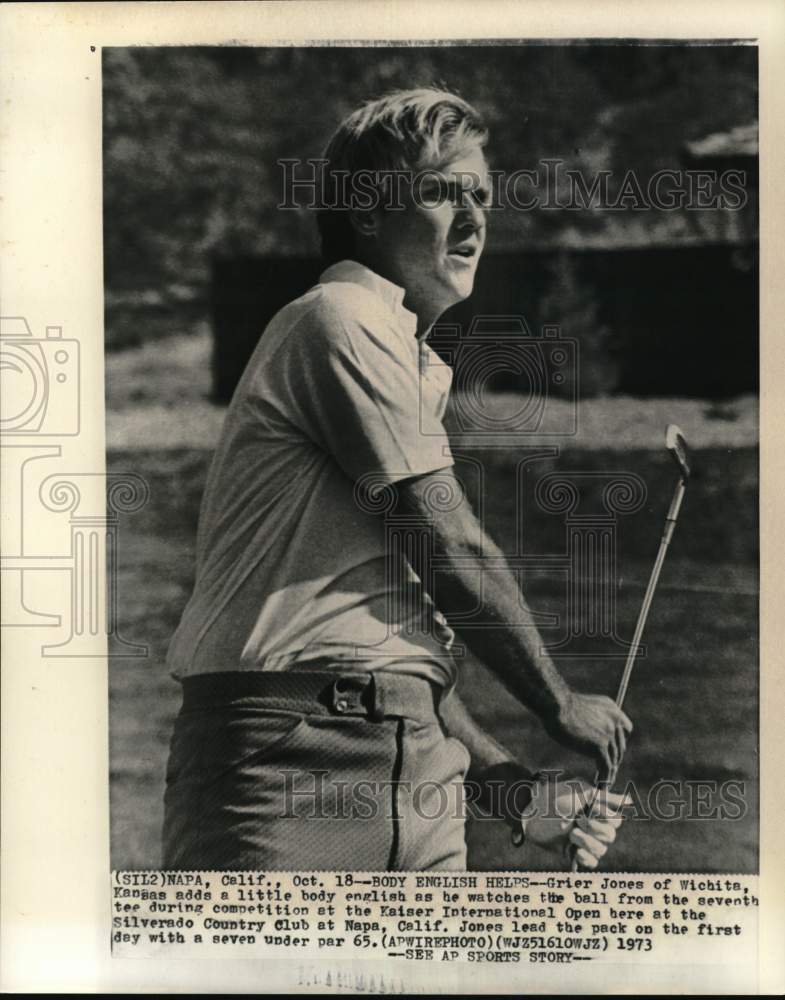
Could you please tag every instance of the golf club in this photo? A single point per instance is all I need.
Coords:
(676, 444)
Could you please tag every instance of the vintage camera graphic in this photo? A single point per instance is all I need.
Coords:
(40, 400)
(40, 381)
(538, 373)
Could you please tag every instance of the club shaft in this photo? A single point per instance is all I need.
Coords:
(670, 522)
(667, 534)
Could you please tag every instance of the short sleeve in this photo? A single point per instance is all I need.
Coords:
(352, 383)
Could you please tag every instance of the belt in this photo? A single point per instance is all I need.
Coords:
(375, 696)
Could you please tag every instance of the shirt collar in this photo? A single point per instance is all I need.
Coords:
(390, 293)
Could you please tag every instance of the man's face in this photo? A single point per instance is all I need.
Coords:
(432, 246)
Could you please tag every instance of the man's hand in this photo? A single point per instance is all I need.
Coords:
(594, 725)
(556, 820)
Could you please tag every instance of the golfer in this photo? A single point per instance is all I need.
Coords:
(320, 725)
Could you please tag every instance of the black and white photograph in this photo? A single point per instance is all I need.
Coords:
(439, 363)
(391, 491)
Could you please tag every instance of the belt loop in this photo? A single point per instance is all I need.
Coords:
(350, 694)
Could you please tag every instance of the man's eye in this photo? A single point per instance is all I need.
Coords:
(433, 194)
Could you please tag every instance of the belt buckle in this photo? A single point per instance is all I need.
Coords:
(348, 694)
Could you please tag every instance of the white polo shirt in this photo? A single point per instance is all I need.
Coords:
(291, 566)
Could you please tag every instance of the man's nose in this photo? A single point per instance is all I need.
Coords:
(470, 214)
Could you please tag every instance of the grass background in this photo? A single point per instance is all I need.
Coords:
(693, 699)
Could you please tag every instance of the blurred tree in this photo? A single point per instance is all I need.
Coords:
(573, 305)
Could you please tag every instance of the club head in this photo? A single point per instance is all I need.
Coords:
(676, 444)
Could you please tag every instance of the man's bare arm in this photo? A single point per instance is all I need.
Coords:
(484, 750)
(472, 570)
(495, 781)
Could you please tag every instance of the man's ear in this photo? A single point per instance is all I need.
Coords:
(364, 222)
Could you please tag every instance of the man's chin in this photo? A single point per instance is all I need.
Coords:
(463, 288)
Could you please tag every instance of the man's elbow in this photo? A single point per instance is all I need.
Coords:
(437, 499)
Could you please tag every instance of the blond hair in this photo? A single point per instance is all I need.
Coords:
(410, 130)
